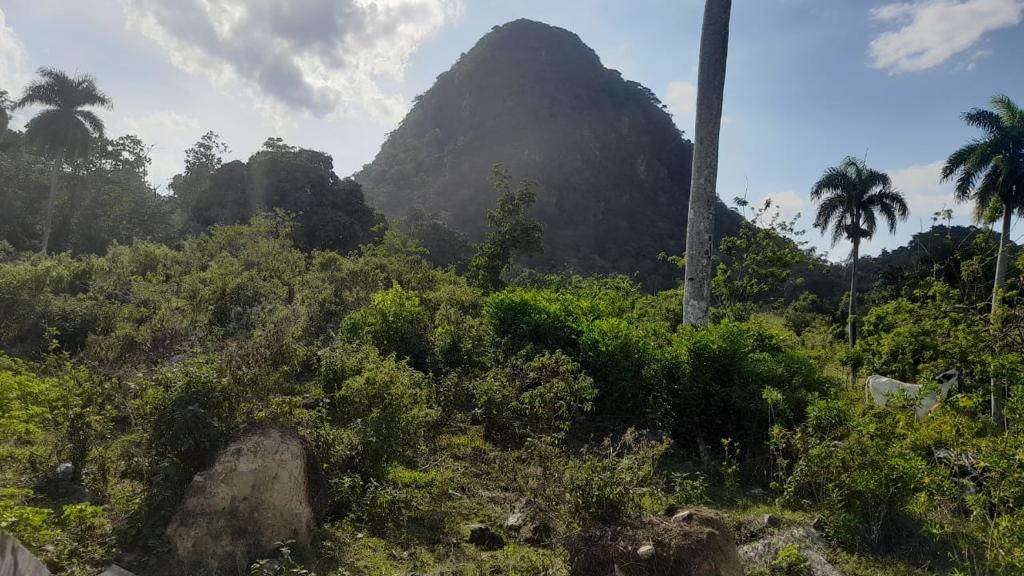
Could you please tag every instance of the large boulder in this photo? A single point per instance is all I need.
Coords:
(16, 560)
(696, 542)
(256, 494)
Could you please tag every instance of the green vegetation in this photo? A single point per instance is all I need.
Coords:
(267, 293)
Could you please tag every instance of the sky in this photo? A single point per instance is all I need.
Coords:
(808, 83)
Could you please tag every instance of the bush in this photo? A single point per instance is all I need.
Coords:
(545, 396)
(855, 467)
(395, 322)
(381, 401)
(728, 366)
(789, 561)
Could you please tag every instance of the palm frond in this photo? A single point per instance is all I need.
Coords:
(986, 120)
(94, 123)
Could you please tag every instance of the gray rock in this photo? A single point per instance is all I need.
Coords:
(65, 471)
(515, 521)
(762, 552)
(115, 570)
(645, 552)
(256, 494)
(683, 516)
(771, 521)
(16, 560)
(485, 538)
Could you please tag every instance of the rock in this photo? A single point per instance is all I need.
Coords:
(762, 552)
(515, 521)
(483, 537)
(65, 471)
(256, 494)
(115, 570)
(683, 516)
(16, 560)
(770, 520)
(694, 542)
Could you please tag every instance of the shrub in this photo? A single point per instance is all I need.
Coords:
(544, 396)
(728, 366)
(381, 401)
(608, 488)
(789, 561)
(395, 322)
(854, 465)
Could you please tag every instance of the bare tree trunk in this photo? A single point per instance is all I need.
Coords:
(700, 226)
(51, 200)
(1002, 263)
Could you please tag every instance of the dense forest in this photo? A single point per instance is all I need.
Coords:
(470, 387)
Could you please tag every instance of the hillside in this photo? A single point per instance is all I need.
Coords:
(613, 169)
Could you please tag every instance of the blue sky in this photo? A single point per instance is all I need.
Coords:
(809, 81)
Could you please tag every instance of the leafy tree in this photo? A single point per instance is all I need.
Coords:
(64, 130)
(5, 113)
(850, 197)
(990, 171)
(515, 233)
(700, 228)
(201, 160)
(759, 260)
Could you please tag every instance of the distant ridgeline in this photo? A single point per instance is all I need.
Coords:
(613, 170)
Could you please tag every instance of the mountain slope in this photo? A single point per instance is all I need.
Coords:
(613, 169)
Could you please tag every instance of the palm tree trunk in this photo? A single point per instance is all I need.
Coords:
(700, 228)
(1002, 263)
(851, 316)
(51, 200)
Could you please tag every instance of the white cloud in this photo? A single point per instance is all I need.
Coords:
(926, 194)
(681, 99)
(167, 133)
(323, 57)
(13, 75)
(926, 33)
(788, 202)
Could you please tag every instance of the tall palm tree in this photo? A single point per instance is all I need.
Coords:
(850, 198)
(63, 130)
(700, 227)
(990, 170)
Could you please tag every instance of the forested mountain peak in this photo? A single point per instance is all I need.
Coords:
(612, 168)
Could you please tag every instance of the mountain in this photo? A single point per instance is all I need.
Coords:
(613, 170)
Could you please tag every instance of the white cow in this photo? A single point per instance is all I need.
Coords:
(883, 389)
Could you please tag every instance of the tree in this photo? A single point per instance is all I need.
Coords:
(850, 197)
(514, 233)
(759, 260)
(714, 48)
(5, 113)
(989, 171)
(64, 130)
(201, 161)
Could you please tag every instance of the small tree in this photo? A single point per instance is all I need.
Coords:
(758, 261)
(515, 233)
